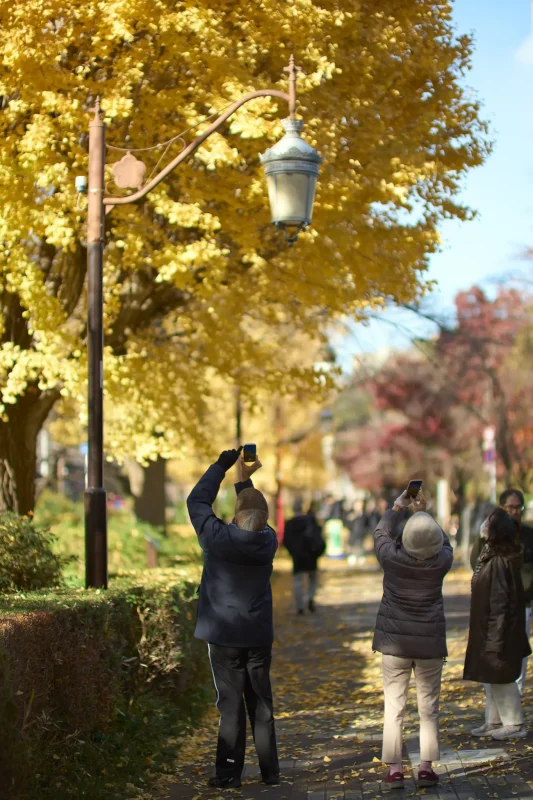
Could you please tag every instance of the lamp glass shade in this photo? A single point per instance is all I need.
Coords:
(291, 196)
(291, 169)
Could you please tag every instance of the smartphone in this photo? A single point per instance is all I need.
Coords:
(414, 488)
(249, 453)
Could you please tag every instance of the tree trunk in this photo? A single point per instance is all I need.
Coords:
(148, 487)
(18, 449)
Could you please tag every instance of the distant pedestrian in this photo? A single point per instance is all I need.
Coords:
(235, 617)
(357, 524)
(512, 501)
(336, 508)
(411, 630)
(497, 640)
(303, 539)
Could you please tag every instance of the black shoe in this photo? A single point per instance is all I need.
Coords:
(312, 606)
(224, 783)
(271, 780)
(300, 612)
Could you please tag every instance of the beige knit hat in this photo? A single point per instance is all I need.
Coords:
(422, 536)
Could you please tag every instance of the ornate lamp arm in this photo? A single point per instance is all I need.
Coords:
(132, 198)
(98, 206)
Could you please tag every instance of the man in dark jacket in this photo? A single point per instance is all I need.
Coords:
(512, 501)
(303, 539)
(235, 617)
(411, 630)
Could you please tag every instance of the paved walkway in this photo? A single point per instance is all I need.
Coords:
(327, 688)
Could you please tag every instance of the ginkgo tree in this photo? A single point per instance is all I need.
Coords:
(195, 271)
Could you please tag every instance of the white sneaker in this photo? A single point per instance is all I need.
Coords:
(485, 729)
(510, 732)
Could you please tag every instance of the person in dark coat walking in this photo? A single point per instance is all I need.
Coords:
(411, 630)
(497, 640)
(303, 539)
(235, 617)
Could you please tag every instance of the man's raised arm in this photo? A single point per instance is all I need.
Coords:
(201, 499)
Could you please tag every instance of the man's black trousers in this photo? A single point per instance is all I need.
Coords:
(242, 676)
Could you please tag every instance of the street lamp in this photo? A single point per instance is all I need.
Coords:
(291, 168)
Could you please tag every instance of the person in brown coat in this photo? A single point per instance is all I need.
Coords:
(497, 640)
(512, 501)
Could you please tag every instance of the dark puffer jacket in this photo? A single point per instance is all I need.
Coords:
(497, 640)
(410, 621)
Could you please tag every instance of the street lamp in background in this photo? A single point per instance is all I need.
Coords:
(324, 365)
(489, 459)
(291, 168)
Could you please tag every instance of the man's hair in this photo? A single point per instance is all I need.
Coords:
(504, 497)
(251, 519)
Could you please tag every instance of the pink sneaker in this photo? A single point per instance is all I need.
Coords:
(394, 781)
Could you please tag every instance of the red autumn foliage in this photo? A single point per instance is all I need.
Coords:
(428, 409)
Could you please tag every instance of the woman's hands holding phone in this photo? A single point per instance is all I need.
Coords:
(403, 501)
(419, 503)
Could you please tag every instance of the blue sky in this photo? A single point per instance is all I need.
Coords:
(502, 189)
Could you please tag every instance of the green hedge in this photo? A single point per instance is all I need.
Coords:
(27, 558)
(95, 685)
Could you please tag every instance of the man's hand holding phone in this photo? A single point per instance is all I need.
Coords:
(245, 470)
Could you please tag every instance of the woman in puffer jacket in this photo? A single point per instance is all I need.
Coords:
(497, 640)
(411, 630)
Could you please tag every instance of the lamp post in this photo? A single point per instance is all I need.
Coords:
(238, 417)
(291, 168)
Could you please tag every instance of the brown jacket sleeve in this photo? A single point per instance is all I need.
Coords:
(500, 606)
(477, 547)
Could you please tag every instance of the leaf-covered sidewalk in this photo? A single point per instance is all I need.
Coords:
(327, 688)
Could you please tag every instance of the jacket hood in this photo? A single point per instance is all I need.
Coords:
(258, 545)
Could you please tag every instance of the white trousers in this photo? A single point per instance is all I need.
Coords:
(503, 706)
(396, 677)
(521, 682)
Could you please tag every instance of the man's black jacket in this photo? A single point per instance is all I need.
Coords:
(235, 604)
(301, 533)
